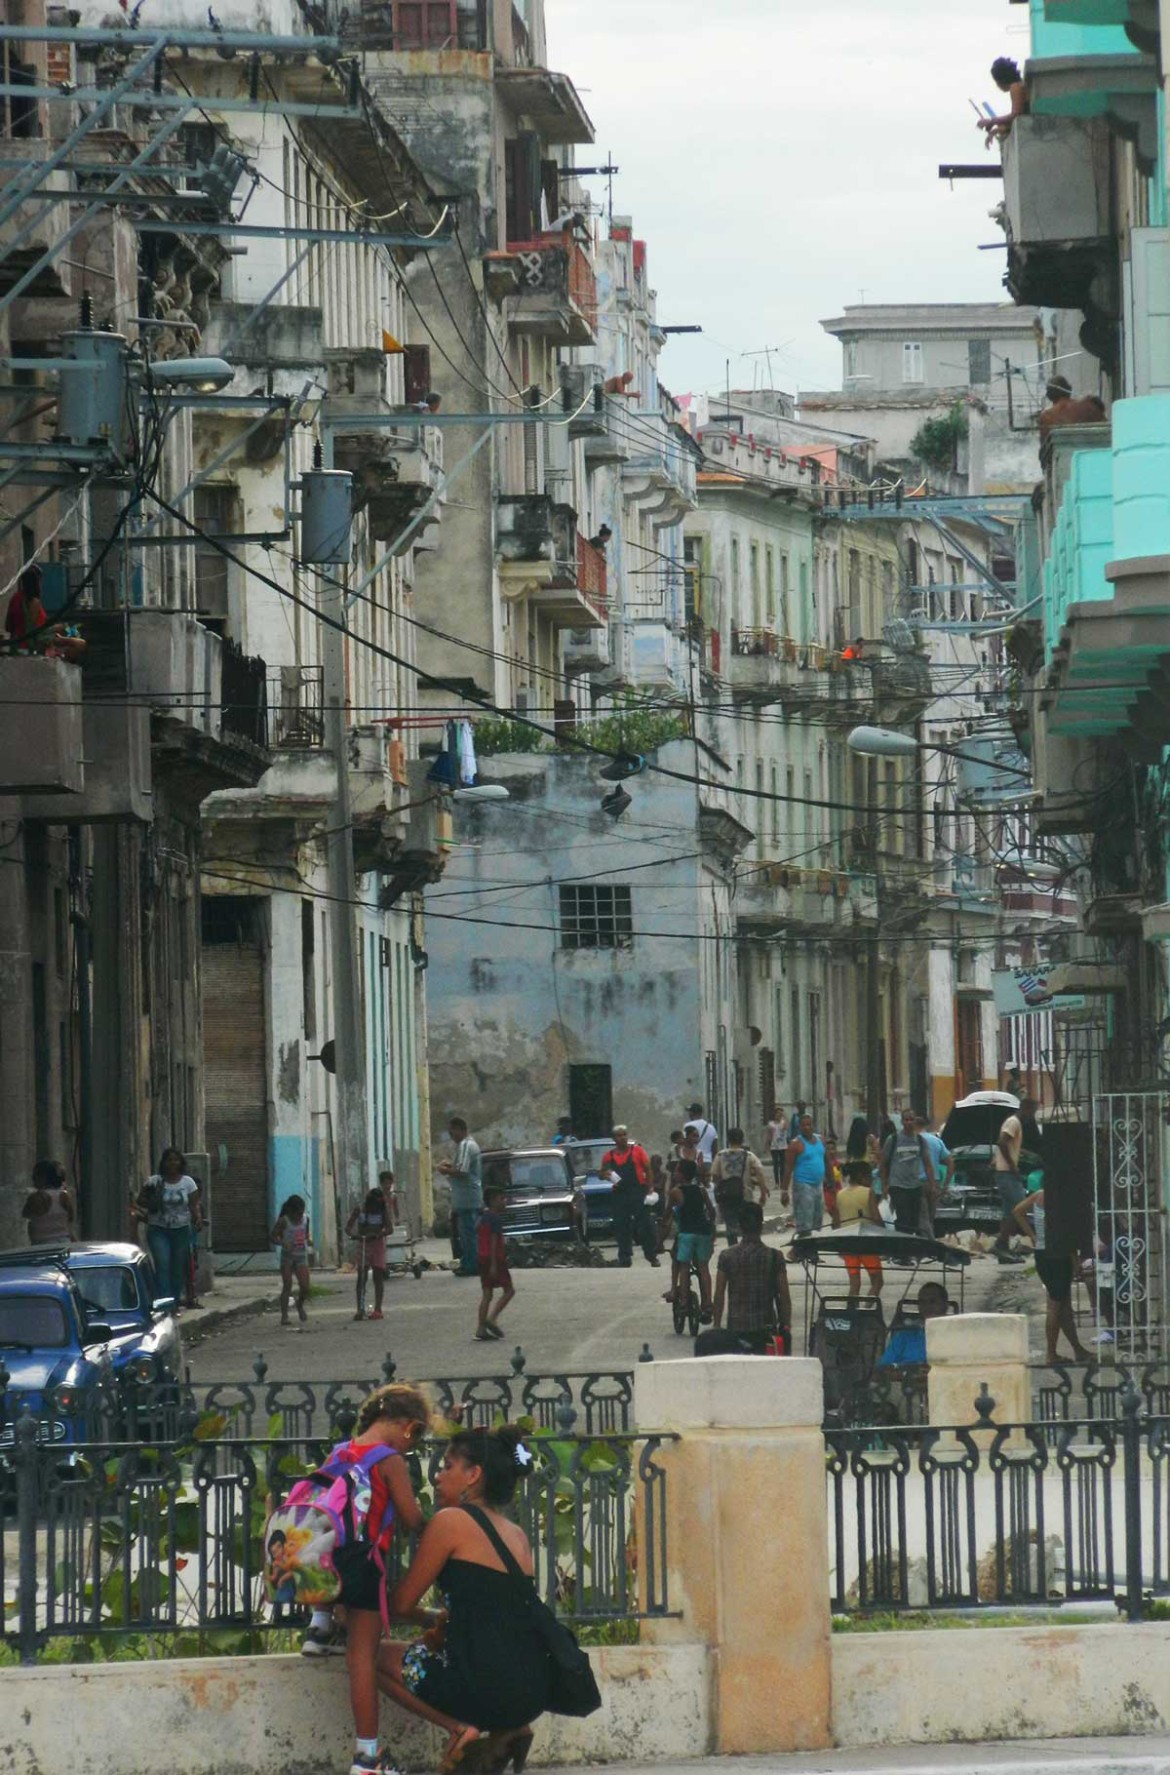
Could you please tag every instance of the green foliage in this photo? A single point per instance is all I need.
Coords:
(496, 733)
(935, 441)
(636, 728)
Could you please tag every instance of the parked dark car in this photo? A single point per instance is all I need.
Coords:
(62, 1313)
(544, 1201)
(970, 1132)
(585, 1157)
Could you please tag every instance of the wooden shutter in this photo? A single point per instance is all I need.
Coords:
(416, 370)
(425, 24)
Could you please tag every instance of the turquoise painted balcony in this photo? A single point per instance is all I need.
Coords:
(1085, 63)
(1106, 581)
(1141, 477)
(1137, 18)
(1080, 27)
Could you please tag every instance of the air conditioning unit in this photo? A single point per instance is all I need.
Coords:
(582, 396)
(586, 650)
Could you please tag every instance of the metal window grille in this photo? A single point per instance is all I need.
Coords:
(596, 918)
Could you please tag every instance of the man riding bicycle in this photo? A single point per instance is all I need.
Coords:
(696, 1236)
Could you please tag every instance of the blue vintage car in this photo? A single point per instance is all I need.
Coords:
(69, 1316)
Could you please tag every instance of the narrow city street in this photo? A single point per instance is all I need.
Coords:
(579, 1320)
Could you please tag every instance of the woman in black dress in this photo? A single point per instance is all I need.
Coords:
(480, 1668)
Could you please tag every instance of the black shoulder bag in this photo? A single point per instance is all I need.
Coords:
(572, 1687)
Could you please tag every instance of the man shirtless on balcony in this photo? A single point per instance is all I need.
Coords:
(1067, 409)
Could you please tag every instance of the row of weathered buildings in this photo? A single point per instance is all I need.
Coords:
(357, 211)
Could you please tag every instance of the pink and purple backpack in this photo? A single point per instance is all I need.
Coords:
(326, 1510)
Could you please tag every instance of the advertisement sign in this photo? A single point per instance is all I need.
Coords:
(1017, 990)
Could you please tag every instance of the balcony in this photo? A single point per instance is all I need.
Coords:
(586, 650)
(765, 667)
(296, 708)
(1057, 201)
(802, 899)
(423, 833)
(549, 102)
(410, 27)
(552, 292)
(661, 472)
(543, 557)
(161, 695)
(1107, 583)
(403, 482)
(48, 222)
(1090, 69)
(610, 433)
(43, 753)
(901, 678)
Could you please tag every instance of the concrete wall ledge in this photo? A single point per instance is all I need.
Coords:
(290, 1716)
(941, 1686)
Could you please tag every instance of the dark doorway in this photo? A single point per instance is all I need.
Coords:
(591, 1100)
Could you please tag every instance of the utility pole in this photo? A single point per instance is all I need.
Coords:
(348, 1028)
(326, 506)
(873, 993)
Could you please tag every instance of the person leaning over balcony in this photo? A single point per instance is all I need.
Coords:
(601, 539)
(1065, 408)
(1008, 78)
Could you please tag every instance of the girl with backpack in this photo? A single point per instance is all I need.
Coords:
(355, 1501)
(291, 1233)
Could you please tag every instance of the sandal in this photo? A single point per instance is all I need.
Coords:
(458, 1747)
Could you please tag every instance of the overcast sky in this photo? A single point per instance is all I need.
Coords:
(781, 159)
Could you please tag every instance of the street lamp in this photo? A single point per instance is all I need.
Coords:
(201, 375)
(889, 742)
(481, 792)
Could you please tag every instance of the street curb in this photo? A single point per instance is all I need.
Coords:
(215, 1318)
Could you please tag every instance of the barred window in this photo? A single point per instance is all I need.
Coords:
(596, 918)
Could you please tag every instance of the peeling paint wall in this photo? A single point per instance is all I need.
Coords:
(510, 1008)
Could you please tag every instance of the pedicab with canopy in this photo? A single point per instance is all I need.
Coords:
(848, 1332)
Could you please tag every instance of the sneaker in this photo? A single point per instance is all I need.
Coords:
(483, 1337)
(377, 1313)
(358, 1317)
(377, 1765)
(320, 1642)
(493, 1331)
(1006, 1256)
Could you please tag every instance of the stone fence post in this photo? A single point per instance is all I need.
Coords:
(969, 1349)
(747, 1540)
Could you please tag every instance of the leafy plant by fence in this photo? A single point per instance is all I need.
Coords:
(160, 1548)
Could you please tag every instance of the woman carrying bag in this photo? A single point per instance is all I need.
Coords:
(494, 1658)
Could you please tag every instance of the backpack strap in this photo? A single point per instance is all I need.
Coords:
(511, 1564)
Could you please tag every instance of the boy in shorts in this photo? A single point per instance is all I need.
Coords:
(492, 1259)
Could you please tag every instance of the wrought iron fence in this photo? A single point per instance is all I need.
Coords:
(598, 1402)
(162, 1547)
(1062, 1392)
(1012, 1515)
